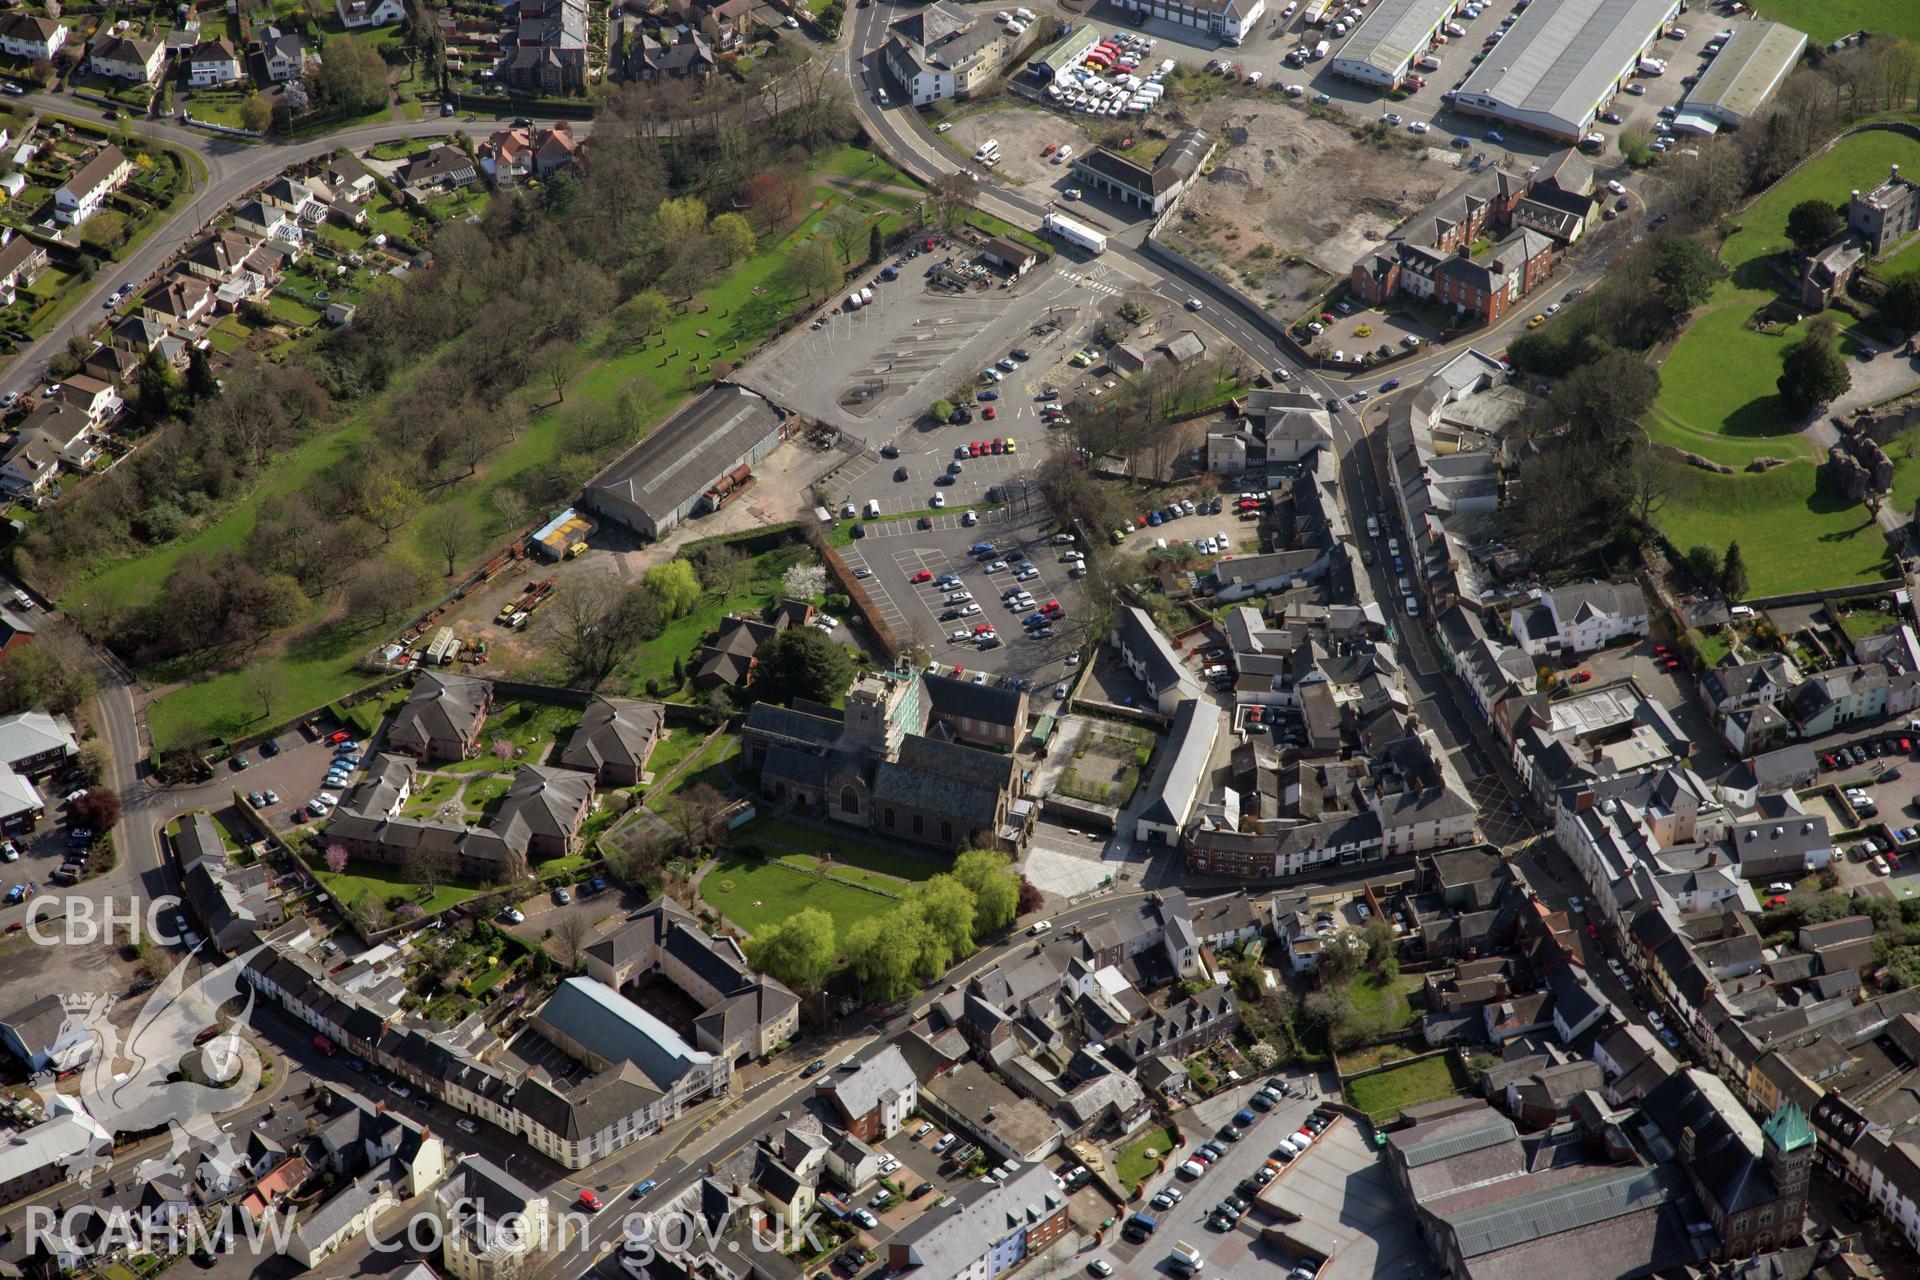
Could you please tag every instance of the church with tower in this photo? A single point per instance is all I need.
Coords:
(889, 763)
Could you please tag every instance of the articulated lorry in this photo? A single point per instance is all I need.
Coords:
(1075, 233)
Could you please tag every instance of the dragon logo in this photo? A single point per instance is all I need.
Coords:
(159, 1078)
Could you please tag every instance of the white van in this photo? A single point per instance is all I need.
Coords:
(991, 147)
(873, 508)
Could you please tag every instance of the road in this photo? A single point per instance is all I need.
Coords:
(906, 138)
(234, 166)
(677, 1158)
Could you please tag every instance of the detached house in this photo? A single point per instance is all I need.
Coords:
(81, 196)
(65, 429)
(442, 169)
(514, 155)
(176, 302)
(126, 58)
(356, 14)
(91, 396)
(284, 54)
(26, 36)
(21, 262)
(28, 466)
(268, 222)
(212, 62)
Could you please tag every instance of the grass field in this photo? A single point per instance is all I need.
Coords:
(314, 665)
(361, 879)
(1382, 1000)
(1384, 1094)
(854, 853)
(1718, 399)
(1793, 536)
(755, 894)
(1828, 20)
(1133, 1166)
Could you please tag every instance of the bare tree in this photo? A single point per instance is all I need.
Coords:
(265, 685)
(426, 867)
(452, 532)
(571, 934)
(699, 817)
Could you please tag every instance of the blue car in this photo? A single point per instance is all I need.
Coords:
(16, 893)
(1153, 518)
(1390, 384)
(1243, 1120)
(598, 884)
(1494, 136)
(641, 1188)
(989, 394)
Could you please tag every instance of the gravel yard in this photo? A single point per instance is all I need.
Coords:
(1293, 195)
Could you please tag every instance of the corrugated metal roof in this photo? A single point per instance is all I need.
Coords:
(1747, 71)
(1561, 58)
(1458, 1143)
(1554, 1210)
(1394, 32)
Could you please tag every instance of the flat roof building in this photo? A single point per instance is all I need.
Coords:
(1749, 70)
(1394, 33)
(659, 482)
(1563, 60)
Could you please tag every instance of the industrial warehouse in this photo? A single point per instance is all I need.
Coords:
(1562, 61)
(703, 448)
(1392, 35)
(1744, 75)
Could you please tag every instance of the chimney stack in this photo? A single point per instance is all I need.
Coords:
(1687, 1144)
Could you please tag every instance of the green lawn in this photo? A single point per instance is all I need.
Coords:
(755, 894)
(534, 727)
(1133, 1166)
(679, 743)
(314, 665)
(1717, 399)
(794, 835)
(1828, 20)
(1384, 1094)
(1382, 1000)
(1793, 536)
(292, 312)
(708, 767)
(383, 882)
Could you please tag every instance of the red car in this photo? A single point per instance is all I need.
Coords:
(324, 1046)
(1593, 931)
(16, 926)
(1671, 664)
(1140, 522)
(983, 628)
(999, 446)
(1049, 149)
(989, 414)
(973, 450)
(923, 576)
(337, 736)
(1906, 746)
(1580, 677)
(589, 1201)
(1776, 901)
